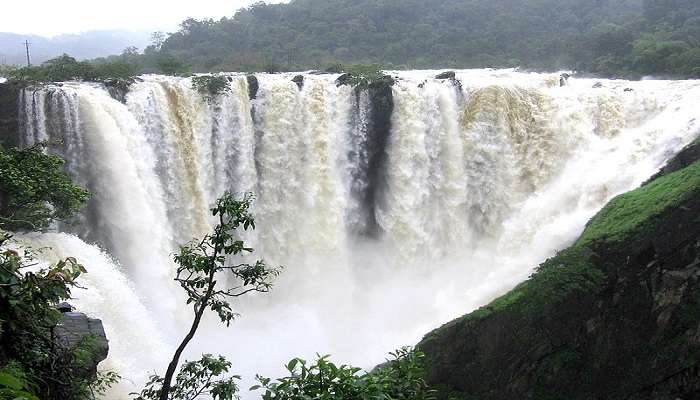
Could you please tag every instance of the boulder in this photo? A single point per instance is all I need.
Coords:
(446, 75)
(299, 80)
(598, 85)
(564, 79)
(77, 330)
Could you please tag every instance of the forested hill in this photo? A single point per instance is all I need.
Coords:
(610, 37)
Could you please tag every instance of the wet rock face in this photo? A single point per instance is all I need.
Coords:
(77, 330)
(379, 130)
(634, 336)
(343, 79)
(118, 88)
(9, 114)
(253, 86)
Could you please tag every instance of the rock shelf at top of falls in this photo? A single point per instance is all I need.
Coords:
(448, 193)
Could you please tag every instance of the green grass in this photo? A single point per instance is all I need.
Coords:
(632, 211)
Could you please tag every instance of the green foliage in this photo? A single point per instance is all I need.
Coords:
(28, 297)
(14, 385)
(66, 68)
(7, 70)
(630, 212)
(170, 65)
(102, 382)
(113, 70)
(34, 190)
(196, 379)
(211, 86)
(401, 378)
(364, 76)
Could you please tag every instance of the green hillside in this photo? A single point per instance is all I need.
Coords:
(609, 37)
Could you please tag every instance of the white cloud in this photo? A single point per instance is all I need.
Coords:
(53, 17)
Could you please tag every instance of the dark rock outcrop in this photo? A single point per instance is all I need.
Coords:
(564, 79)
(343, 79)
(253, 86)
(615, 316)
(446, 75)
(9, 114)
(452, 77)
(77, 330)
(369, 179)
(118, 88)
(299, 80)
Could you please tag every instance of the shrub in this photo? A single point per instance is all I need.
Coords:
(211, 86)
(401, 378)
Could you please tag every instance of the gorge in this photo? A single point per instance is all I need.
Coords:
(393, 209)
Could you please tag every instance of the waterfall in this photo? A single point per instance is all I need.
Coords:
(392, 211)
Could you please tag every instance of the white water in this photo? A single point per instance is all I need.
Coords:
(479, 186)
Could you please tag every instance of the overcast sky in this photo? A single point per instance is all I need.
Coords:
(53, 17)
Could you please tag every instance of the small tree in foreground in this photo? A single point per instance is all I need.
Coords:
(199, 267)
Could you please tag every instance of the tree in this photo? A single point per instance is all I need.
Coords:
(200, 267)
(170, 65)
(211, 86)
(157, 40)
(130, 52)
(34, 190)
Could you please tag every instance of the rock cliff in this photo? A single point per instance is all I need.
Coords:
(615, 316)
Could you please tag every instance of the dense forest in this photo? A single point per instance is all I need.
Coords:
(609, 37)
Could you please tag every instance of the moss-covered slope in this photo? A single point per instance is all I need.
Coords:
(615, 316)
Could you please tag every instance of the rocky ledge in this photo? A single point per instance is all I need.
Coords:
(76, 331)
(614, 316)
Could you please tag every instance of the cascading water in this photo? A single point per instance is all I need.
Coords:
(472, 187)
